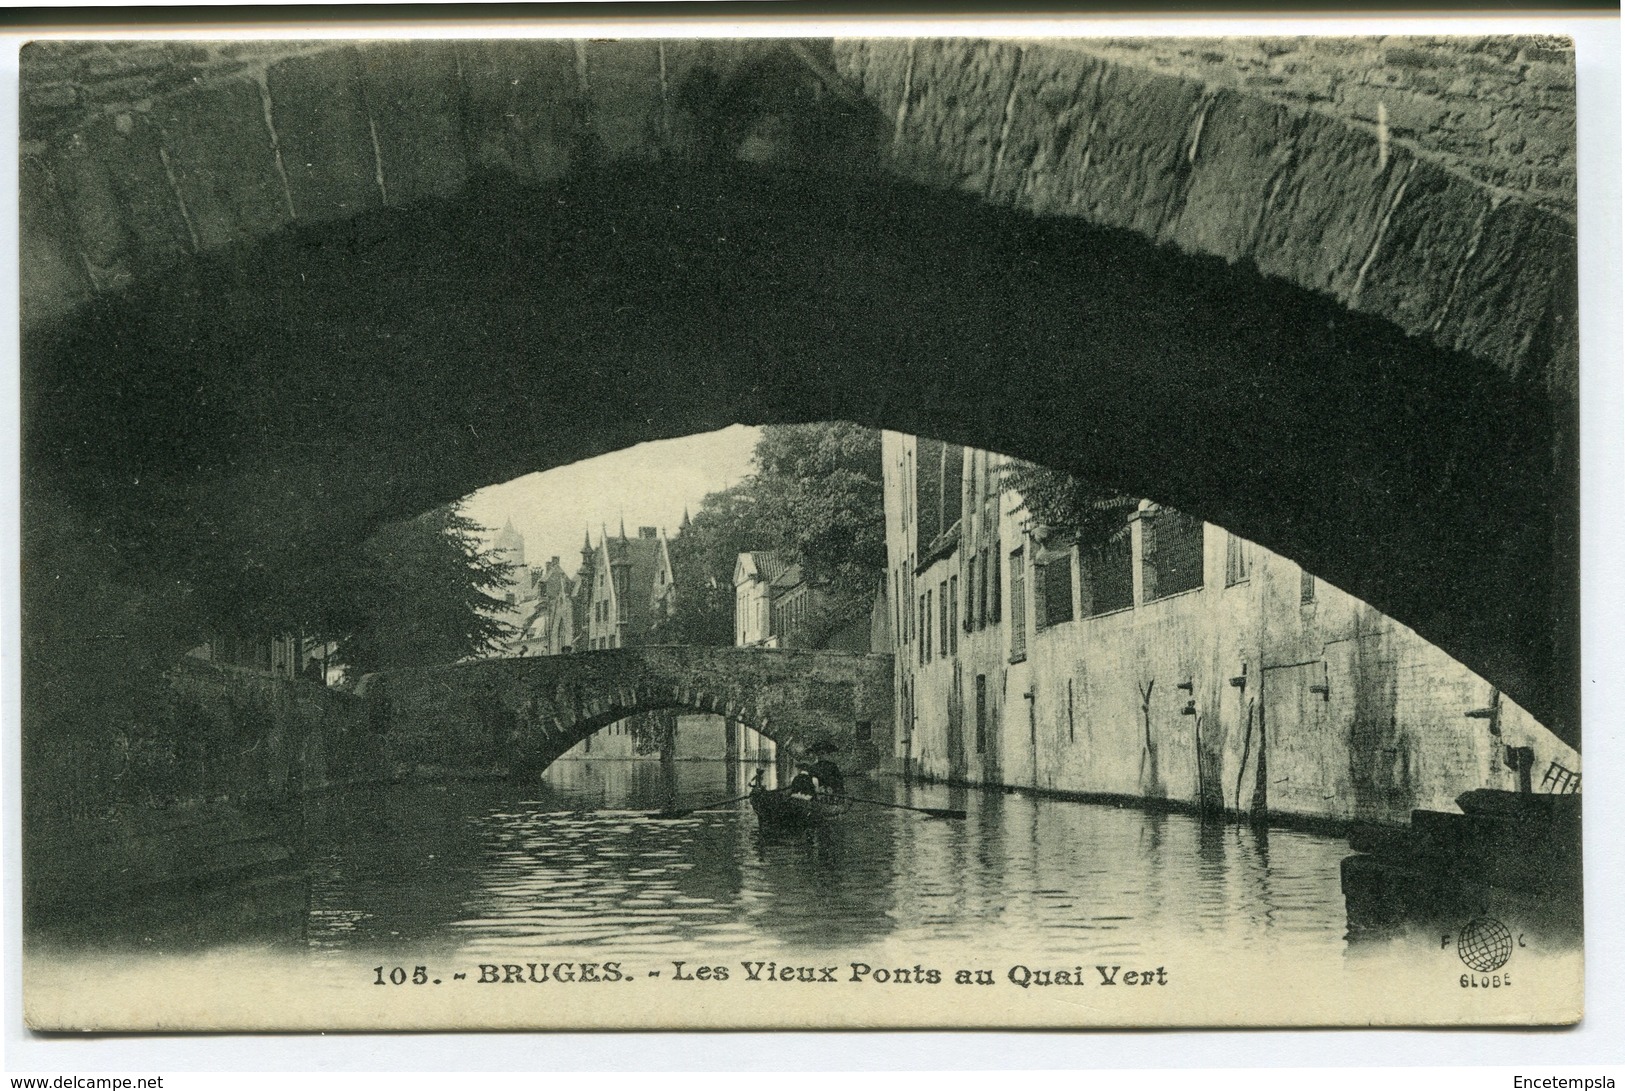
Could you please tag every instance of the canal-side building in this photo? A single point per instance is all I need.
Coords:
(629, 589)
(549, 626)
(1170, 661)
(754, 573)
(777, 605)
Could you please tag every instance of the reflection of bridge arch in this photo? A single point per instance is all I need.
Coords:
(342, 262)
(523, 714)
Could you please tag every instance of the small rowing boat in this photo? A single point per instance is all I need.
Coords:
(779, 809)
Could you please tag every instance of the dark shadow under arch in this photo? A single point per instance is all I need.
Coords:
(209, 430)
(537, 759)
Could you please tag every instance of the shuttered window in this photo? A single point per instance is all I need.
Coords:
(1238, 560)
(1018, 608)
(970, 594)
(996, 588)
(1052, 591)
(988, 577)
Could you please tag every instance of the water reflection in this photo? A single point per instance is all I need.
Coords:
(576, 863)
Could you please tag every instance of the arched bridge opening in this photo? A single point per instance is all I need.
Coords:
(249, 341)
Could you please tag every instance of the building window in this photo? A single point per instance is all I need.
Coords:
(953, 484)
(908, 582)
(919, 651)
(996, 588)
(1106, 575)
(1018, 608)
(1052, 591)
(1238, 560)
(953, 615)
(929, 601)
(1306, 587)
(1171, 554)
(920, 646)
(908, 488)
(981, 601)
(970, 594)
(1071, 723)
(942, 619)
(897, 612)
(981, 713)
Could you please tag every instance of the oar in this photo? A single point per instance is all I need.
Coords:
(934, 812)
(691, 810)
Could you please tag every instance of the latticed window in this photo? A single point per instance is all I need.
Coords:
(1107, 575)
(1171, 553)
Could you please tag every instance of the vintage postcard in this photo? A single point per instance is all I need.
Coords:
(881, 532)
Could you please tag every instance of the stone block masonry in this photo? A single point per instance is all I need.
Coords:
(1427, 180)
(517, 715)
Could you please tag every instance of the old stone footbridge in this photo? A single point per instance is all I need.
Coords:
(520, 715)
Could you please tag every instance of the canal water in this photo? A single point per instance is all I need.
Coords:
(417, 905)
(575, 863)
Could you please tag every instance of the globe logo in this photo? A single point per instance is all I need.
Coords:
(1485, 944)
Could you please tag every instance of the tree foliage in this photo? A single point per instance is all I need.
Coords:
(418, 592)
(815, 499)
(702, 562)
(821, 501)
(1068, 506)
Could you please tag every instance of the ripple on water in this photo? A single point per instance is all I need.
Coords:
(548, 872)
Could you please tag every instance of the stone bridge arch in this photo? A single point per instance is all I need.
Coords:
(1324, 326)
(520, 715)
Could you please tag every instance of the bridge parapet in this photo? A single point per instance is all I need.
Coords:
(517, 716)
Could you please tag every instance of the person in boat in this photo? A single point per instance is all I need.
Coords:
(828, 775)
(805, 784)
(823, 767)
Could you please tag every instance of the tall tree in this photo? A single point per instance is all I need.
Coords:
(819, 490)
(419, 592)
(816, 500)
(702, 561)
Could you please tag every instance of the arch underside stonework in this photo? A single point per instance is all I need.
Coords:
(250, 338)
